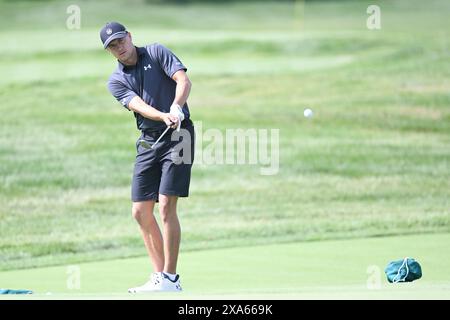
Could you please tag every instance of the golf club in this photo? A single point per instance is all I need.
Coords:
(146, 145)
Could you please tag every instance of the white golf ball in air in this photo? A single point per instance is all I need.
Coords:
(308, 113)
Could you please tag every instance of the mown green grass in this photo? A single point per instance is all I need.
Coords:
(373, 161)
(335, 269)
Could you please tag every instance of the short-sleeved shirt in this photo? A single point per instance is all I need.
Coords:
(151, 80)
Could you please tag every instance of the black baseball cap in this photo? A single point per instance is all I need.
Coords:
(112, 31)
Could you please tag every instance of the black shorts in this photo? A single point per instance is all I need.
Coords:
(165, 169)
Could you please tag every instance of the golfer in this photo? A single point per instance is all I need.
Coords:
(152, 82)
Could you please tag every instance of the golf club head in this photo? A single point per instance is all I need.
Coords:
(144, 144)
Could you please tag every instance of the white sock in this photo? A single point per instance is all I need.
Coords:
(170, 275)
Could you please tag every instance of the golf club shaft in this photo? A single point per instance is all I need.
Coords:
(168, 127)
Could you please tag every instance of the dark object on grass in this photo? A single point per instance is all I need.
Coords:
(12, 291)
(404, 270)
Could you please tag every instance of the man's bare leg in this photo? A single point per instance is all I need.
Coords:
(171, 231)
(143, 213)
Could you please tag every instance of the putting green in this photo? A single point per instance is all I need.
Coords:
(372, 161)
(338, 269)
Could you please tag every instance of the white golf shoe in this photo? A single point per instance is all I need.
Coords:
(169, 284)
(159, 282)
(150, 286)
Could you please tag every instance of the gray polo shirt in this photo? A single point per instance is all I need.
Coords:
(150, 79)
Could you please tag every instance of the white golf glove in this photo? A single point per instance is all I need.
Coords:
(175, 110)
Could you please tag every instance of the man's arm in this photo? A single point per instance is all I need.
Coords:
(183, 87)
(182, 91)
(138, 105)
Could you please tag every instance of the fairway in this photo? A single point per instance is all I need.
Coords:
(364, 181)
(311, 270)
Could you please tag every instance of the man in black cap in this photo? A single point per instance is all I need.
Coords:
(152, 82)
